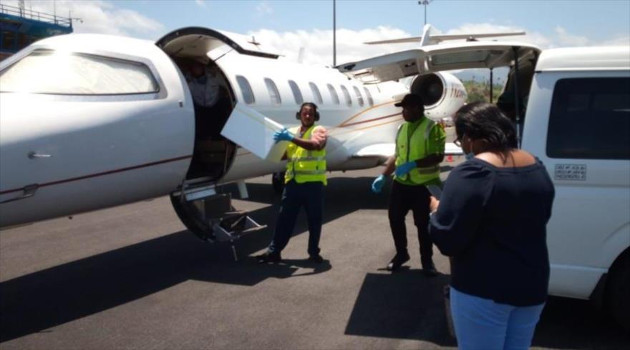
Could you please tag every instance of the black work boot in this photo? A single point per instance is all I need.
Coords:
(428, 268)
(397, 261)
(268, 256)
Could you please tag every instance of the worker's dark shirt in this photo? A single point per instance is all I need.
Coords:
(492, 221)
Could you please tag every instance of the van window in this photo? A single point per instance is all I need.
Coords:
(369, 96)
(333, 94)
(42, 72)
(358, 93)
(590, 119)
(316, 93)
(246, 89)
(274, 95)
(346, 94)
(297, 94)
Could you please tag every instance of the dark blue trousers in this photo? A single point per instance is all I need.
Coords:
(309, 195)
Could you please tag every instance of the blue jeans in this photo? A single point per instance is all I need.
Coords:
(309, 195)
(486, 325)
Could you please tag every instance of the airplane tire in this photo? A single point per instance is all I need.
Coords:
(619, 291)
(277, 181)
(192, 218)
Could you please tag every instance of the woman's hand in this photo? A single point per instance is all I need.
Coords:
(434, 204)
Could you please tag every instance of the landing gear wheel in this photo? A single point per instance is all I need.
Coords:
(193, 218)
(619, 292)
(277, 180)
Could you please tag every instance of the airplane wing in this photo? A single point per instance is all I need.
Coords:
(386, 150)
(380, 150)
(435, 58)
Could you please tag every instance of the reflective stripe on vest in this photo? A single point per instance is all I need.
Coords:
(419, 140)
(304, 165)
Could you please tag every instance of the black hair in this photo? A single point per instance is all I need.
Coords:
(485, 121)
(311, 104)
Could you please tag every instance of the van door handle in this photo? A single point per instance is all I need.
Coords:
(33, 155)
(27, 191)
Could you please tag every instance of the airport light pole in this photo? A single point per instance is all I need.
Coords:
(334, 33)
(425, 3)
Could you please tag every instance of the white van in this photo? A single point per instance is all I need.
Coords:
(577, 122)
(572, 108)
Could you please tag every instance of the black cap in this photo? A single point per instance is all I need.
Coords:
(410, 100)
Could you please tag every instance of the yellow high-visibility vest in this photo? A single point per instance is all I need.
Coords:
(304, 165)
(414, 147)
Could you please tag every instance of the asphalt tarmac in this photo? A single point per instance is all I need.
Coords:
(133, 277)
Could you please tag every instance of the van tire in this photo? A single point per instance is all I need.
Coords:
(619, 291)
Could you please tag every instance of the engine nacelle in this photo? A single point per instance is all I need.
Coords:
(443, 94)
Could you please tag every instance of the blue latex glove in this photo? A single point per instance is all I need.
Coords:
(403, 169)
(378, 183)
(283, 135)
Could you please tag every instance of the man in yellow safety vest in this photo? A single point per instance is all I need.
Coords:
(419, 151)
(305, 179)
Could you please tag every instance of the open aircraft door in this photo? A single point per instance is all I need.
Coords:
(220, 130)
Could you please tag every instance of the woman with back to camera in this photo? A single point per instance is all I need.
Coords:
(491, 220)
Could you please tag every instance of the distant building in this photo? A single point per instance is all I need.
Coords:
(20, 27)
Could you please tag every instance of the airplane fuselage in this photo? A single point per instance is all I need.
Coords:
(91, 121)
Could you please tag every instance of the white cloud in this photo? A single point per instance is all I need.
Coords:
(566, 39)
(616, 41)
(98, 16)
(103, 16)
(263, 9)
(318, 44)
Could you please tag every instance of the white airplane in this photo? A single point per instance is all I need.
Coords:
(92, 121)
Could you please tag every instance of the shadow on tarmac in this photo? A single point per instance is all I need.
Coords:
(404, 305)
(44, 299)
(401, 305)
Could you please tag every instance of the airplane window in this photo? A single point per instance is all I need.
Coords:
(369, 96)
(333, 94)
(297, 94)
(316, 93)
(42, 71)
(273, 91)
(246, 89)
(358, 93)
(346, 94)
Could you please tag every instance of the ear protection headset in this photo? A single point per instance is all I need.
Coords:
(297, 114)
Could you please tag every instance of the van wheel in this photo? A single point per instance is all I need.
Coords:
(619, 291)
(193, 218)
(277, 180)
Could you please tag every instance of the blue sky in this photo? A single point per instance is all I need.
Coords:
(285, 26)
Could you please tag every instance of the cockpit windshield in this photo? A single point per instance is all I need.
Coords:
(54, 72)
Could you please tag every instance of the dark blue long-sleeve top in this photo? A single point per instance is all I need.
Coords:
(492, 222)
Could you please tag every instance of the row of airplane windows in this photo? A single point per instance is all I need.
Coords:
(274, 94)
